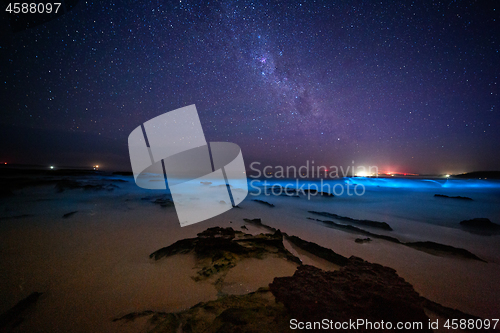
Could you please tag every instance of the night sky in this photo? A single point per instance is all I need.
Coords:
(407, 86)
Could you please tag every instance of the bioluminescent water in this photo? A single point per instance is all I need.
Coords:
(410, 183)
(425, 183)
(397, 200)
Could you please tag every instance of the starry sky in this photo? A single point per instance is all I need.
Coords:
(406, 86)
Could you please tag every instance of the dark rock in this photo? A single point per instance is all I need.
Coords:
(250, 313)
(217, 232)
(442, 249)
(15, 217)
(358, 290)
(115, 180)
(258, 222)
(15, 316)
(259, 311)
(363, 240)
(244, 227)
(446, 312)
(156, 319)
(65, 216)
(134, 315)
(456, 197)
(264, 202)
(181, 246)
(353, 229)
(480, 223)
(318, 250)
(433, 248)
(368, 223)
(268, 242)
(164, 202)
(217, 238)
(219, 249)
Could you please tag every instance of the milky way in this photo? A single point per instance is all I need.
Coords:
(406, 86)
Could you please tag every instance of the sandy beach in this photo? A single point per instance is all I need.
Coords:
(87, 251)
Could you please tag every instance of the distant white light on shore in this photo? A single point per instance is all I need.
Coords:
(51, 167)
(447, 176)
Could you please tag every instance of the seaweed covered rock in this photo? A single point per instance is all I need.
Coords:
(217, 238)
(254, 312)
(357, 290)
(219, 249)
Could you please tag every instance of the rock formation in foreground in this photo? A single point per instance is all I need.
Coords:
(217, 250)
(357, 290)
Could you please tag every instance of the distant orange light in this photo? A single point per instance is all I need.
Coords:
(5, 162)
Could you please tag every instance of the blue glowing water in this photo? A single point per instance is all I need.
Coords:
(397, 200)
